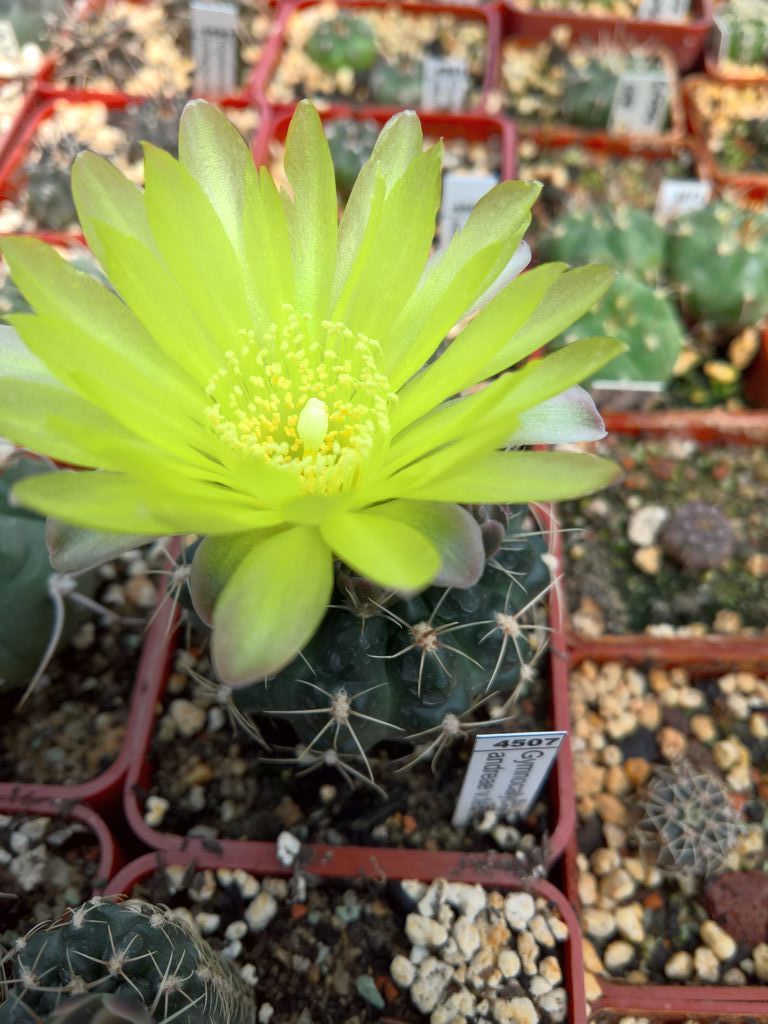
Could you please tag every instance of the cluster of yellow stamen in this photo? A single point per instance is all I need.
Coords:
(307, 396)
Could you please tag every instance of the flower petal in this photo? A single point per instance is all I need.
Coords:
(313, 214)
(453, 531)
(214, 562)
(520, 260)
(72, 549)
(569, 417)
(518, 477)
(271, 605)
(390, 553)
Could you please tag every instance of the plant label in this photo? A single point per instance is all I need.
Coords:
(461, 193)
(214, 46)
(677, 196)
(505, 773)
(664, 10)
(641, 102)
(444, 83)
(9, 44)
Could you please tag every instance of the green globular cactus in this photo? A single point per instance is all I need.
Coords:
(104, 1008)
(717, 260)
(154, 120)
(107, 947)
(588, 94)
(687, 820)
(628, 239)
(49, 190)
(645, 320)
(744, 31)
(383, 667)
(351, 142)
(698, 536)
(397, 83)
(346, 41)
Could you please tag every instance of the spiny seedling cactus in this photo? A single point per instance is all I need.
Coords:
(744, 31)
(628, 239)
(102, 1008)
(107, 946)
(643, 318)
(589, 87)
(687, 820)
(412, 668)
(698, 536)
(351, 142)
(397, 83)
(49, 186)
(717, 260)
(345, 41)
(155, 120)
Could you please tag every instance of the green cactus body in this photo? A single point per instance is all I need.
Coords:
(49, 189)
(31, 21)
(131, 947)
(744, 24)
(397, 84)
(106, 1008)
(717, 260)
(156, 120)
(351, 142)
(386, 669)
(346, 41)
(588, 94)
(628, 239)
(642, 318)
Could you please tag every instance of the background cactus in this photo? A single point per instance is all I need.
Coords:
(130, 947)
(391, 668)
(717, 260)
(698, 536)
(744, 28)
(49, 189)
(687, 820)
(397, 83)
(154, 120)
(31, 22)
(645, 320)
(106, 1008)
(351, 142)
(346, 41)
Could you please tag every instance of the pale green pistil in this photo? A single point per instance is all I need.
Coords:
(308, 397)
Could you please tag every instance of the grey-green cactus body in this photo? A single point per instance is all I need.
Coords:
(351, 143)
(130, 947)
(397, 83)
(346, 41)
(104, 1008)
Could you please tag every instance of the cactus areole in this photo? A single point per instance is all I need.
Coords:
(273, 381)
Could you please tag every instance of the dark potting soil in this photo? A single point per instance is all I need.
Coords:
(607, 589)
(71, 728)
(217, 783)
(46, 865)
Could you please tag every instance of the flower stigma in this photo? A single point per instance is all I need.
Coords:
(307, 396)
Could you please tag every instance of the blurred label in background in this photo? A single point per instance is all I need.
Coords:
(214, 46)
(460, 194)
(641, 102)
(444, 84)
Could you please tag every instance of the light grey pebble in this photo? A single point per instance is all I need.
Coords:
(266, 1013)
(261, 911)
(18, 842)
(216, 719)
(519, 908)
(428, 988)
(207, 923)
(402, 971)
(233, 949)
(467, 937)
(247, 885)
(468, 899)
(35, 828)
(277, 887)
(155, 810)
(249, 974)
(29, 868)
(188, 717)
(423, 931)
(518, 1010)
(288, 848)
(555, 1003)
(236, 930)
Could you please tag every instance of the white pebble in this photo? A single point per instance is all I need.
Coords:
(618, 955)
(188, 717)
(427, 990)
(555, 1003)
(760, 960)
(207, 923)
(423, 931)
(467, 936)
(519, 908)
(266, 1013)
(706, 965)
(679, 967)
(644, 524)
(720, 942)
(541, 931)
(509, 963)
(249, 975)
(402, 971)
(246, 883)
(468, 899)
(288, 848)
(528, 951)
(550, 969)
(236, 930)
(519, 1010)
(261, 911)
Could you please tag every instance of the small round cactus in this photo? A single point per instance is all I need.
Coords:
(346, 41)
(698, 536)
(351, 142)
(104, 1008)
(687, 820)
(398, 83)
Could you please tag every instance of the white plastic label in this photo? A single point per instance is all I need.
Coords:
(9, 44)
(663, 10)
(677, 196)
(214, 46)
(505, 773)
(461, 193)
(444, 83)
(641, 102)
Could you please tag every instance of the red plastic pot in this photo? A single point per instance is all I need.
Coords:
(756, 377)
(491, 867)
(38, 802)
(475, 127)
(719, 426)
(684, 38)
(563, 134)
(689, 1000)
(378, 865)
(746, 184)
(273, 50)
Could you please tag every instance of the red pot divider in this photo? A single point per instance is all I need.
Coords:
(719, 426)
(379, 865)
(475, 127)
(102, 792)
(491, 867)
(38, 802)
(732, 77)
(690, 1000)
(756, 377)
(685, 39)
(748, 184)
(563, 134)
(273, 50)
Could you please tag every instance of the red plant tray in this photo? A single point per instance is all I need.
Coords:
(713, 69)
(103, 791)
(38, 801)
(749, 185)
(377, 865)
(688, 1000)
(475, 127)
(156, 659)
(563, 134)
(748, 427)
(685, 39)
(273, 50)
